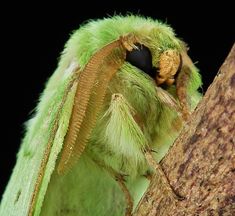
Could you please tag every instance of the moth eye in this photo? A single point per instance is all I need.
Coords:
(141, 58)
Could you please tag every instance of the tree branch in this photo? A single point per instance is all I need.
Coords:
(201, 164)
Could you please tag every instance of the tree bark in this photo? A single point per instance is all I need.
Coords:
(201, 164)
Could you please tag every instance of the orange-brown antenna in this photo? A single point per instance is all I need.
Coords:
(92, 85)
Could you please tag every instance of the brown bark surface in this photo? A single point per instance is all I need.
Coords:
(201, 164)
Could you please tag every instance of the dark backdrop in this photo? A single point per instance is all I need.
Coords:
(34, 35)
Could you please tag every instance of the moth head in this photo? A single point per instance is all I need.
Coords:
(168, 65)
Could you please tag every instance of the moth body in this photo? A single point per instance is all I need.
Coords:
(124, 85)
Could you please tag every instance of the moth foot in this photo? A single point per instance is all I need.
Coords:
(153, 150)
(148, 175)
(121, 177)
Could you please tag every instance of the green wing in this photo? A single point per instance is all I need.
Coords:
(49, 125)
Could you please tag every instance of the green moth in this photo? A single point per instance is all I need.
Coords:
(122, 90)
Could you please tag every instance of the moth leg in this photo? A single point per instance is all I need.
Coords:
(120, 179)
(121, 182)
(158, 169)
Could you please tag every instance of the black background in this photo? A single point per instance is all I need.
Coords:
(33, 35)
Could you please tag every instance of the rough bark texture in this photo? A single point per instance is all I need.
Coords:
(201, 164)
